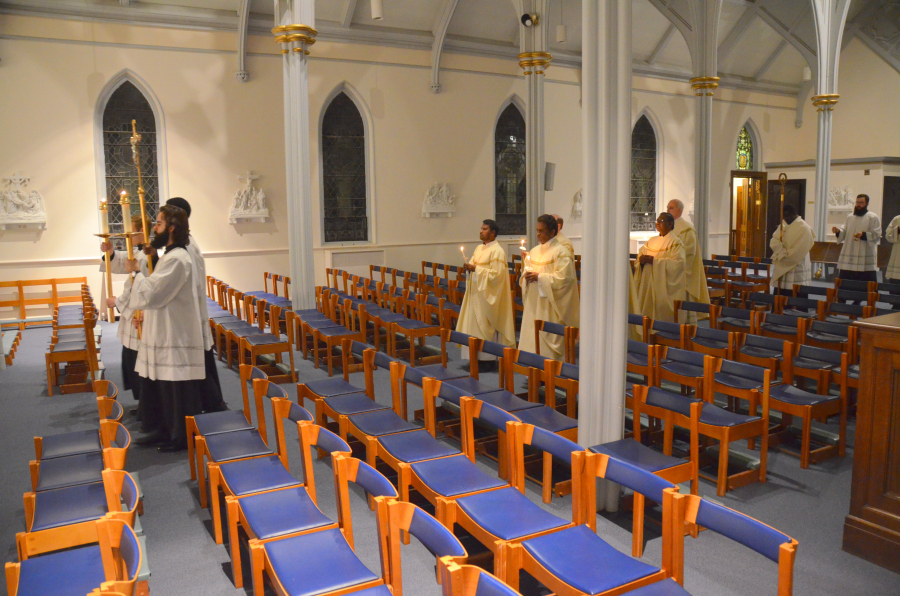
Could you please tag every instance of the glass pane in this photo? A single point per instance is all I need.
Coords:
(344, 172)
(744, 151)
(643, 176)
(509, 172)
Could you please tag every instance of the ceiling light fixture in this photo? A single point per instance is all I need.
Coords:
(377, 10)
(807, 73)
(561, 28)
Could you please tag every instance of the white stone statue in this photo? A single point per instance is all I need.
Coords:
(578, 203)
(438, 201)
(18, 207)
(248, 203)
(841, 199)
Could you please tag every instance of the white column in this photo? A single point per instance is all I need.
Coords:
(829, 17)
(534, 60)
(295, 20)
(704, 52)
(606, 117)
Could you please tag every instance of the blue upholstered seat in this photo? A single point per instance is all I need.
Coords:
(415, 446)
(256, 475)
(508, 514)
(547, 418)
(228, 421)
(72, 470)
(320, 324)
(232, 325)
(710, 338)
(798, 397)
(264, 339)
(282, 512)
(248, 332)
(68, 346)
(67, 573)
(331, 386)
(671, 331)
(439, 372)
(116, 412)
(412, 324)
(590, 565)
(381, 422)
(638, 455)
(70, 505)
(456, 475)
(318, 562)
(353, 403)
(335, 331)
(852, 371)
(236, 445)
(470, 386)
(710, 413)
(505, 400)
(737, 382)
(73, 443)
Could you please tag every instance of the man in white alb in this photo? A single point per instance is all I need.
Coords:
(860, 237)
(696, 287)
(562, 238)
(659, 276)
(486, 311)
(790, 244)
(892, 234)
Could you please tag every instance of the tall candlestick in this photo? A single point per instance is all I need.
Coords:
(104, 217)
(104, 233)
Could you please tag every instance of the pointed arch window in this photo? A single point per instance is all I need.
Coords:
(745, 150)
(345, 205)
(643, 176)
(509, 172)
(127, 103)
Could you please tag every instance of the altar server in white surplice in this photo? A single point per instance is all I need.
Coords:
(860, 237)
(892, 234)
(549, 290)
(659, 275)
(790, 254)
(170, 356)
(695, 277)
(562, 238)
(486, 311)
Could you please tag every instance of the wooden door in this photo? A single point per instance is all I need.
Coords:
(794, 194)
(748, 214)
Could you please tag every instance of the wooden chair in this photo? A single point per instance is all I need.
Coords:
(668, 334)
(254, 346)
(415, 329)
(565, 376)
(768, 352)
(681, 367)
(784, 327)
(712, 342)
(469, 580)
(682, 308)
(80, 358)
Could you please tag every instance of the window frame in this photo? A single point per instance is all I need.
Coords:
(658, 187)
(516, 101)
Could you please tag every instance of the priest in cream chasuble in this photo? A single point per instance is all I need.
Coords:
(790, 244)
(486, 311)
(695, 277)
(659, 275)
(549, 290)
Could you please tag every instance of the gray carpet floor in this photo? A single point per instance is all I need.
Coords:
(809, 505)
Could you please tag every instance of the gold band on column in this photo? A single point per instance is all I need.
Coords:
(826, 102)
(535, 62)
(304, 35)
(704, 85)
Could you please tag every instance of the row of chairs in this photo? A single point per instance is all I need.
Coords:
(74, 344)
(80, 513)
(9, 341)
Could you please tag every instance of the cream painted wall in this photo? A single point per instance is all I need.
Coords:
(217, 128)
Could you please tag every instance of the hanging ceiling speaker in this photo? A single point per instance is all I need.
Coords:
(560, 34)
(529, 19)
(377, 10)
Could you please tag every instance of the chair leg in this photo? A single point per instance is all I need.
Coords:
(234, 547)
(722, 480)
(191, 432)
(257, 564)
(291, 359)
(763, 454)
(49, 374)
(637, 526)
(201, 471)
(805, 438)
(751, 442)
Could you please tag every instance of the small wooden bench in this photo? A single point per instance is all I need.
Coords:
(33, 301)
(10, 342)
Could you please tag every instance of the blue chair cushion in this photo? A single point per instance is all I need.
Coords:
(780, 329)
(71, 470)
(792, 395)
(810, 363)
(236, 445)
(256, 475)
(636, 454)
(716, 416)
(455, 475)
(318, 562)
(415, 446)
(585, 561)
(852, 371)
(228, 421)
(757, 352)
(508, 514)
(391, 317)
(68, 346)
(320, 323)
(282, 512)
(65, 573)
(232, 325)
(710, 414)
(265, 339)
(547, 418)
(470, 386)
(683, 369)
(73, 443)
(742, 323)
(353, 403)
(507, 401)
(335, 331)
(413, 324)
(116, 412)
(437, 371)
(381, 422)
(248, 332)
(331, 387)
(825, 337)
(637, 359)
(666, 334)
(799, 313)
(71, 505)
(709, 343)
(737, 382)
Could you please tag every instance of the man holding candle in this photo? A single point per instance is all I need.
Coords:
(549, 290)
(659, 275)
(486, 311)
(170, 357)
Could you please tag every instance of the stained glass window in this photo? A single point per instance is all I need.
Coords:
(643, 176)
(344, 172)
(127, 103)
(744, 150)
(509, 172)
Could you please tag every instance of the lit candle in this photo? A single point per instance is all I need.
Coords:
(104, 217)
(462, 249)
(126, 211)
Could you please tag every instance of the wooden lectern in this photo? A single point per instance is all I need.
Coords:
(872, 530)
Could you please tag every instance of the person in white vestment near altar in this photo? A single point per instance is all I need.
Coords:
(892, 235)
(562, 238)
(212, 389)
(695, 276)
(486, 311)
(170, 355)
(127, 333)
(659, 274)
(790, 245)
(549, 290)
(860, 237)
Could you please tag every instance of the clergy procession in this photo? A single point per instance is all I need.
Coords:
(387, 334)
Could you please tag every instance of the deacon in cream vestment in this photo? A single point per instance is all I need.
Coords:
(695, 277)
(659, 275)
(790, 254)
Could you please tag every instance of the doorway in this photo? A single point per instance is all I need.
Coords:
(794, 194)
(749, 208)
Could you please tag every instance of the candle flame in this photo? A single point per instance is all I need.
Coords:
(124, 193)
(103, 199)
(462, 248)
